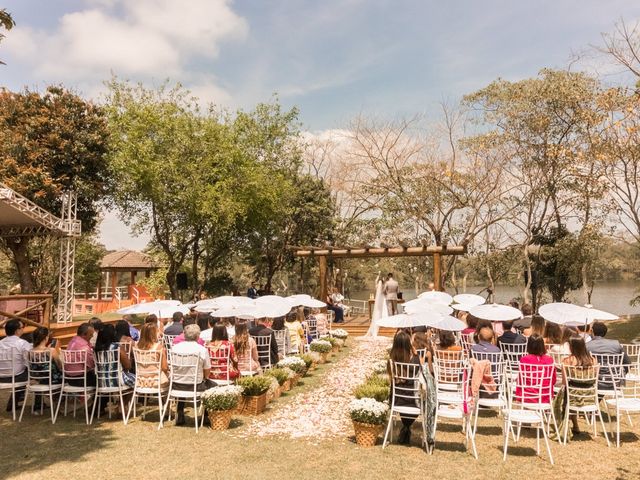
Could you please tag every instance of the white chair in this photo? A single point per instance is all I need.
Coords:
(633, 352)
(581, 389)
(490, 396)
(167, 342)
(311, 329)
(109, 381)
(513, 352)
(7, 365)
(148, 381)
(245, 363)
(405, 397)
(40, 381)
(263, 343)
(187, 366)
(452, 379)
(74, 362)
(281, 339)
(466, 340)
(220, 364)
(610, 373)
(529, 403)
(623, 398)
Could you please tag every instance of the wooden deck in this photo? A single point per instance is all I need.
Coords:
(357, 326)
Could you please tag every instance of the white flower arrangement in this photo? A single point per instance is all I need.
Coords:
(274, 386)
(320, 346)
(339, 333)
(296, 364)
(380, 366)
(368, 410)
(315, 356)
(222, 398)
(290, 372)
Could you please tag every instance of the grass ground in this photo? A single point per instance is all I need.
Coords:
(35, 449)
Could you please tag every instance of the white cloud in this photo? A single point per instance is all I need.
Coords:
(142, 40)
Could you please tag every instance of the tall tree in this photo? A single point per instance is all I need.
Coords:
(6, 22)
(50, 143)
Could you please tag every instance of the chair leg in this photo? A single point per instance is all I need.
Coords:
(617, 427)
(604, 429)
(55, 417)
(131, 405)
(124, 416)
(51, 405)
(546, 442)
(506, 440)
(566, 429)
(24, 403)
(195, 412)
(86, 407)
(93, 410)
(386, 433)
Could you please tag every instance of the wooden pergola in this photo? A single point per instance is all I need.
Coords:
(322, 253)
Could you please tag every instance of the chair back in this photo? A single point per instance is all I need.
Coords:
(74, 361)
(422, 353)
(311, 328)
(148, 368)
(8, 361)
(185, 368)
(127, 346)
(581, 385)
(497, 370)
(281, 339)
(405, 382)
(534, 384)
(449, 368)
(466, 340)
(611, 373)
(167, 341)
(39, 365)
(220, 357)
(513, 352)
(108, 368)
(263, 343)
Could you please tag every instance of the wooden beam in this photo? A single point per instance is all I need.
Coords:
(323, 278)
(437, 275)
(378, 252)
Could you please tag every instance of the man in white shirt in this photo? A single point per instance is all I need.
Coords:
(14, 330)
(183, 376)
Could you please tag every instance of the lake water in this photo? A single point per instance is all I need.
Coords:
(608, 296)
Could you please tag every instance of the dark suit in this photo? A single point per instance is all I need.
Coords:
(604, 346)
(262, 331)
(511, 337)
(174, 329)
(252, 292)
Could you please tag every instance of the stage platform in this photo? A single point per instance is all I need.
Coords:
(358, 325)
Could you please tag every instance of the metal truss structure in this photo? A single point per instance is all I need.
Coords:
(20, 217)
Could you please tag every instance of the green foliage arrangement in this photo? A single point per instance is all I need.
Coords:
(320, 346)
(221, 398)
(254, 386)
(280, 374)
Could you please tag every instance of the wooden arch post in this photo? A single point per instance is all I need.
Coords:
(322, 263)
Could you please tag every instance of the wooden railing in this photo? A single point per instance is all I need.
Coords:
(33, 310)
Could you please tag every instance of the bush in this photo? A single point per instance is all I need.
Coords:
(370, 390)
(221, 398)
(297, 364)
(280, 374)
(308, 360)
(254, 386)
(320, 346)
(329, 339)
(367, 410)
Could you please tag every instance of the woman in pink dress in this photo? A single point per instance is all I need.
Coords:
(536, 384)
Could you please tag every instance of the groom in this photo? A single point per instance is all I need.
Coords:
(391, 294)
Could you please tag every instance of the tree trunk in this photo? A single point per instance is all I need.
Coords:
(171, 280)
(194, 267)
(19, 247)
(527, 261)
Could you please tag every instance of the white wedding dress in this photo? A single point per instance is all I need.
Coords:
(379, 311)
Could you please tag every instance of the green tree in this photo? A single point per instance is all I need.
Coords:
(50, 143)
(7, 22)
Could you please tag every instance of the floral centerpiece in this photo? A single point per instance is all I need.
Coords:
(368, 416)
(339, 333)
(380, 367)
(315, 357)
(274, 390)
(297, 364)
(283, 376)
(254, 393)
(323, 347)
(220, 403)
(308, 360)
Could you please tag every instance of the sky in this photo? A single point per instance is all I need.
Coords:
(333, 59)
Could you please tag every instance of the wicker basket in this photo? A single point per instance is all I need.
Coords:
(286, 386)
(294, 380)
(219, 419)
(277, 392)
(366, 433)
(323, 357)
(254, 405)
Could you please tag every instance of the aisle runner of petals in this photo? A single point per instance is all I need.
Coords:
(323, 412)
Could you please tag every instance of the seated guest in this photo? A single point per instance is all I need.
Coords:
(525, 321)
(205, 335)
(322, 323)
(601, 345)
(296, 332)
(220, 339)
(584, 330)
(279, 326)
(96, 323)
(107, 341)
(14, 330)
(563, 347)
(509, 336)
(485, 340)
(175, 327)
(421, 342)
(447, 341)
(146, 375)
(246, 349)
(42, 343)
(181, 376)
(263, 329)
(472, 324)
(185, 322)
(134, 333)
(552, 334)
(81, 343)
(536, 328)
(335, 308)
(536, 355)
(202, 320)
(123, 336)
(230, 324)
(403, 352)
(153, 318)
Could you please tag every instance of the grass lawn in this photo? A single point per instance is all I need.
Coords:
(108, 449)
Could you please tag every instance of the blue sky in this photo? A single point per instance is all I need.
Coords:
(333, 59)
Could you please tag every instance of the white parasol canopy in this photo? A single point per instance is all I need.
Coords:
(312, 303)
(449, 323)
(148, 307)
(469, 299)
(436, 296)
(424, 305)
(402, 320)
(495, 312)
(570, 314)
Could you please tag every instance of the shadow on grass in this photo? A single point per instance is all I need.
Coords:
(38, 445)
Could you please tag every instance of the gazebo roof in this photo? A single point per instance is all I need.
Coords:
(127, 260)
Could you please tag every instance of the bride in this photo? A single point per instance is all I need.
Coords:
(380, 310)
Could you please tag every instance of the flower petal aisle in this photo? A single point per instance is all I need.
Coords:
(323, 412)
